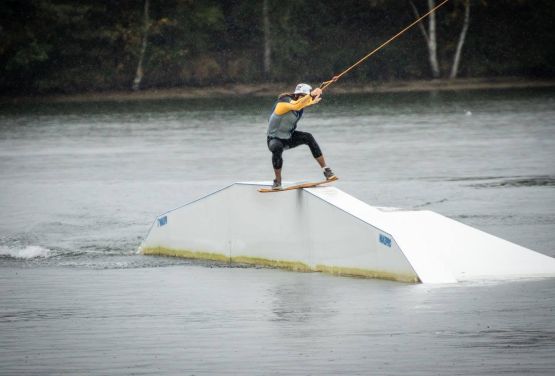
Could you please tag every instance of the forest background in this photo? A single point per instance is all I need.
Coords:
(63, 46)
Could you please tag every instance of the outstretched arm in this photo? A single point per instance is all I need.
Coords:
(283, 107)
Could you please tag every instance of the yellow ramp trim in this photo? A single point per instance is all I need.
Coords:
(296, 266)
(366, 273)
(161, 251)
(281, 264)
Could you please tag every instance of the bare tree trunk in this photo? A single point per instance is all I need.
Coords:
(420, 24)
(432, 42)
(462, 36)
(429, 36)
(267, 39)
(140, 73)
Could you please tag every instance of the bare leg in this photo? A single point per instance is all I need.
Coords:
(321, 161)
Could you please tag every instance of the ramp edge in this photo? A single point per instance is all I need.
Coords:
(296, 266)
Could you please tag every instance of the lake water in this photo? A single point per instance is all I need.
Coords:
(81, 183)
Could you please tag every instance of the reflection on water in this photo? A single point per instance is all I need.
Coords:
(297, 302)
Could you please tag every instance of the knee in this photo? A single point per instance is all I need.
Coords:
(308, 138)
(313, 145)
(275, 146)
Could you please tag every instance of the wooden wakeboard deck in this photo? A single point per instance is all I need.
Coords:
(298, 186)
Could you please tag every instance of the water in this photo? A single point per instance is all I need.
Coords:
(80, 185)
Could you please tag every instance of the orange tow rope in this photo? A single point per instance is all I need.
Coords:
(325, 84)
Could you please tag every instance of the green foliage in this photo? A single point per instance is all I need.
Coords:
(78, 45)
(24, 57)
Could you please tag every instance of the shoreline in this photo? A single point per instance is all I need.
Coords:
(271, 89)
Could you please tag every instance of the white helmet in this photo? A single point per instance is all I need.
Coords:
(303, 89)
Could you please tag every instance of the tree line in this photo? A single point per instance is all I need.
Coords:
(76, 45)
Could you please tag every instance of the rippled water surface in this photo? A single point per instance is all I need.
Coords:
(81, 183)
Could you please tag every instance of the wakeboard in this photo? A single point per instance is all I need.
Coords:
(298, 186)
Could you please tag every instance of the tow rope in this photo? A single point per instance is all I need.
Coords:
(325, 84)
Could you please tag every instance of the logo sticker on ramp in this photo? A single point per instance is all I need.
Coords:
(385, 240)
(162, 221)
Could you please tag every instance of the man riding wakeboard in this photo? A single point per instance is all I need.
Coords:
(283, 133)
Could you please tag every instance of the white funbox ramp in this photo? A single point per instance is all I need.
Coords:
(325, 229)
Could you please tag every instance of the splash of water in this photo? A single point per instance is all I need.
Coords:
(28, 252)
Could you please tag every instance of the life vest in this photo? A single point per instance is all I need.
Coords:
(282, 126)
